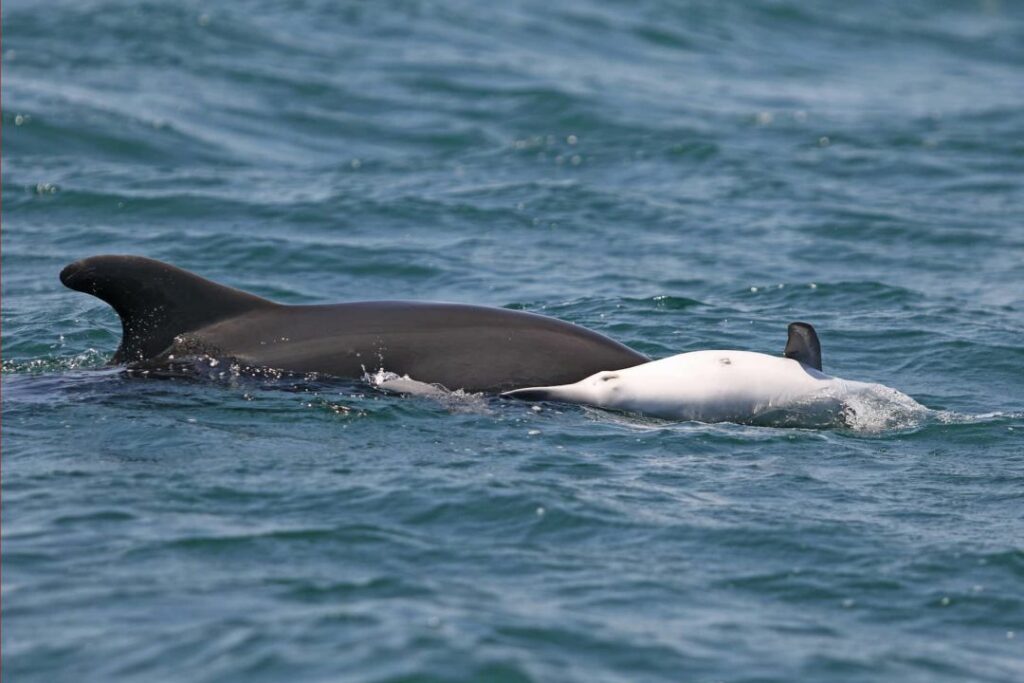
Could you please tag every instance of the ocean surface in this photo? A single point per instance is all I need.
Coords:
(676, 175)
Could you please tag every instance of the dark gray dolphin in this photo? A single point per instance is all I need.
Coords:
(168, 314)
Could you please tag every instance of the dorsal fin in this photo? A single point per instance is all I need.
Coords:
(803, 345)
(156, 301)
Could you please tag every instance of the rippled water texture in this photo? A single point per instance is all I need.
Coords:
(678, 175)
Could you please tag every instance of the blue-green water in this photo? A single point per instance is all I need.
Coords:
(678, 175)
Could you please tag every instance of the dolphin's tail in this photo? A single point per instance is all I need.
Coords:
(156, 301)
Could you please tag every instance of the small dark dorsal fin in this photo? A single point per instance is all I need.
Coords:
(803, 345)
(155, 300)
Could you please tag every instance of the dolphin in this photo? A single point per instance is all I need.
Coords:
(719, 386)
(170, 315)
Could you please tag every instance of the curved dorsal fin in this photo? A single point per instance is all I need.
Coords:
(803, 345)
(156, 301)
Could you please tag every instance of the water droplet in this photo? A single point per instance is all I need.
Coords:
(533, 432)
(572, 139)
(823, 141)
(541, 511)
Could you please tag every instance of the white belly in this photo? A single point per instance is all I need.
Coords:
(738, 386)
(714, 386)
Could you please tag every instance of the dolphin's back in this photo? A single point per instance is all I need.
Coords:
(459, 346)
(168, 312)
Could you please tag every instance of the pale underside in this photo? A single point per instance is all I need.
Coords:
(710, 386)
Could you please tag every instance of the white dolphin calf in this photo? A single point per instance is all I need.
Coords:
(720, 386)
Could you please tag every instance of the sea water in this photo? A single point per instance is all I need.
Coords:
(676, 175)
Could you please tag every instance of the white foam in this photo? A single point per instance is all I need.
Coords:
(876, 408)
(393, 383)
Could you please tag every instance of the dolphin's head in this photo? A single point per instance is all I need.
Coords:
(600, 389)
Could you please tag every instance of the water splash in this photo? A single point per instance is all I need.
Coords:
(876, 409)
(456, 401)
(88, 359)
(394, 383)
